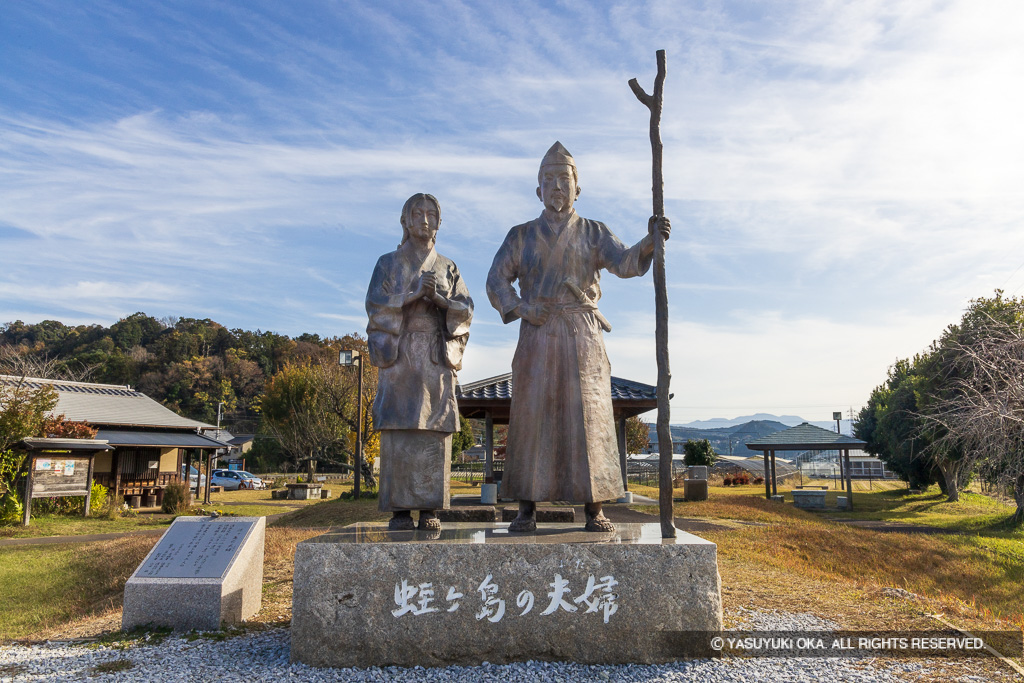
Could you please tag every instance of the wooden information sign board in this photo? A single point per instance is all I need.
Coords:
(56, 474)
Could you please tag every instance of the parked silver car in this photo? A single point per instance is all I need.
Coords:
(193, 477)
(232, 480)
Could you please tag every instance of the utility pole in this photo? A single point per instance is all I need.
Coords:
(349, 358)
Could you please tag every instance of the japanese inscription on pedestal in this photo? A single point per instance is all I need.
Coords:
(420, 598)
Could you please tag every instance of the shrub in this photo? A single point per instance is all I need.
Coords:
(727, 481)
(73, 505)
(176, 498)
(758, 480)
(699, 452)
(98, 501)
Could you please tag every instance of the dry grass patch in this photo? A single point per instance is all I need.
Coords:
(949, 569)
(278, 566)
(855, 606)
(725, 504)
(336, 512)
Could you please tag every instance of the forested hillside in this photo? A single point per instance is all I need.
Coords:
(189, 365)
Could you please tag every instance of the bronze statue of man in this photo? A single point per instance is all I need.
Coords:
(420, 311)
(561, 439)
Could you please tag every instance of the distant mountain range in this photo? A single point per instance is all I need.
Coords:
(729, 436)
(719, 422)
(788, 420)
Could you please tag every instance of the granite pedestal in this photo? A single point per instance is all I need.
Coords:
(695, 489)
(473, 592)
(809, 500)
(467, 513)
(543, 514)
(202, 573)
(303, 491)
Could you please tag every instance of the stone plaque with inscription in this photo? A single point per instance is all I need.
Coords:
(473, 592)
(202, 573)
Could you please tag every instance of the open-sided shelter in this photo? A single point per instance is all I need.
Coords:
(491, 400)
(805, 437)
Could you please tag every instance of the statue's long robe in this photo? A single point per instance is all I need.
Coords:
(561, 438)
(417, 349)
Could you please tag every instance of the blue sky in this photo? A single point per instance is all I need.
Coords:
(842, 177)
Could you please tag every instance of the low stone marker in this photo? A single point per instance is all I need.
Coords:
(489, 494)
(809, 499)
(473, 592)
(303, 491)
(467, 513)
(545, 514)
(203, 572)
(695, 489)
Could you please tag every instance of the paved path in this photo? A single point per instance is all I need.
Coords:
(83, 538)
(89, 538)
(895, 527)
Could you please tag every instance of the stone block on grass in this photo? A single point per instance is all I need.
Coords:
(202, 573)
(695, 489)
(467, 513)
(303, 491)
(545, 515)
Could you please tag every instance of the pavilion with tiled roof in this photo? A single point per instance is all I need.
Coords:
(491, 400)
(806, 437)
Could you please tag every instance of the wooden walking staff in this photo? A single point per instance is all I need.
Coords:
(653, 102)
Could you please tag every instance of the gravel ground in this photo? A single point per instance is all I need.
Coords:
(263, 656)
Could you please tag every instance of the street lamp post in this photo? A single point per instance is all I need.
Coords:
(349, 358)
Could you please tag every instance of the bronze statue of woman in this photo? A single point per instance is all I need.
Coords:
(420, 311)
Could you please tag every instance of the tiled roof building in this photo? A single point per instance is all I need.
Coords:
(150, 441)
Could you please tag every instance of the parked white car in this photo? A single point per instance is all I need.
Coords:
(232, 480)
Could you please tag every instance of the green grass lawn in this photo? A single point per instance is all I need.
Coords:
(973, 512)
(43, 586)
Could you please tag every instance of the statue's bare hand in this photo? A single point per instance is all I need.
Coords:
(663, 225)
(428, 285)
(535, 314)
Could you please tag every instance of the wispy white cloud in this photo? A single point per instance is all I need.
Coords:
(851, 166)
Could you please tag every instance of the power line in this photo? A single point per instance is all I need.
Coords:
(1011, 276)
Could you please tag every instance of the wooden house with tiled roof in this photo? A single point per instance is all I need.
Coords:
(150, 442)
